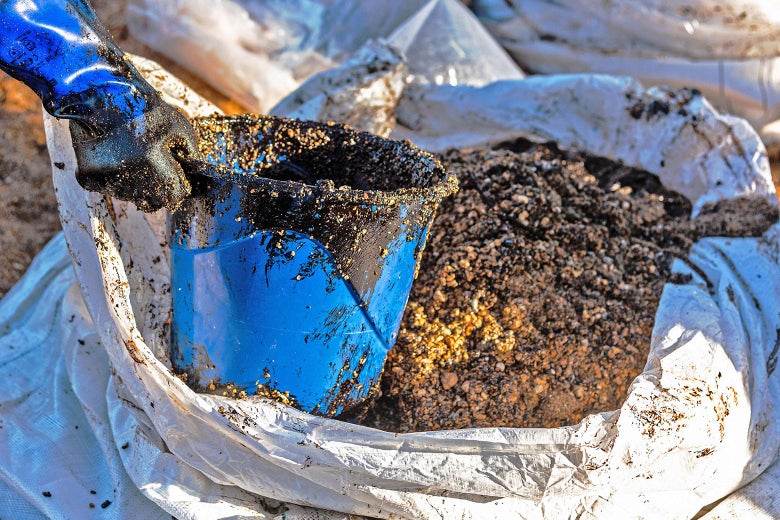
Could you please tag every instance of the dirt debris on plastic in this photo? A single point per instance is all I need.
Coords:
(537, 292)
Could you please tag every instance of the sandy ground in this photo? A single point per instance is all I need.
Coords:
(28, 210)
(27, 204)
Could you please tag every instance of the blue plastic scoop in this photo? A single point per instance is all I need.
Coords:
(293, 262)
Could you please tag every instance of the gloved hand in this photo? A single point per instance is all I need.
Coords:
(128, 142)
(138, 160)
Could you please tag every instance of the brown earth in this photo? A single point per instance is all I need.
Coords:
(537, 290)
(28, 210)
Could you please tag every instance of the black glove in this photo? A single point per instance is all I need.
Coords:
(138, 161)
(127, 140)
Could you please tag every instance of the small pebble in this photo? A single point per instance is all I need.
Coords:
(448, 380)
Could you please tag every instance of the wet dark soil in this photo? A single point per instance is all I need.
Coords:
(309, 152)
(538, 288)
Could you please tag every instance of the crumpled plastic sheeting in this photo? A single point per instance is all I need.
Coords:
(696, 425)
(445, 44)
(442, 44)
(258, 51)
(759, 500)
(697, 29)
(728, 50)
(362, 93)
(54, 435)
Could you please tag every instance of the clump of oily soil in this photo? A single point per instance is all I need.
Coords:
(537, 291)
